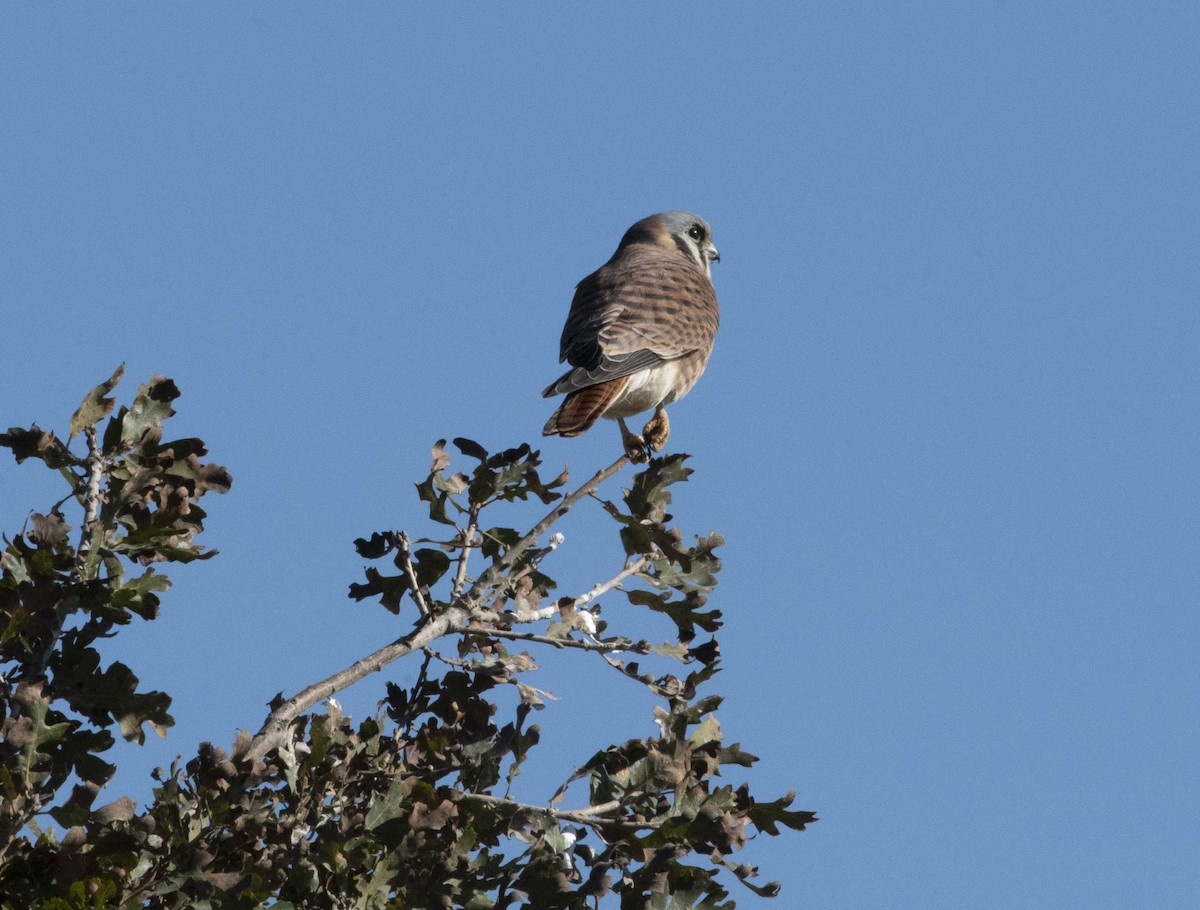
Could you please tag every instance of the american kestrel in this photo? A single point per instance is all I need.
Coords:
(639, 332)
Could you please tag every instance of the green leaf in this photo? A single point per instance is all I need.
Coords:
(389, 588)
(768, 816)
(436, 498)
(735, 755)
(387, 807)
(35, 707)
(672, 649)
(378, 546)
(151, 406)
(110, 695)
(14, 567)
(471, 448)
(430, 565)
(139, 595)
(745, 873)
(686, 613)
(497, 539)
(95, 406)
(696, 710)
(708, 731)
(648, 498)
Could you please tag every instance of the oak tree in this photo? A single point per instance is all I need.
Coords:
(412, 807)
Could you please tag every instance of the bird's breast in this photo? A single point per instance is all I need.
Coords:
(662, 383)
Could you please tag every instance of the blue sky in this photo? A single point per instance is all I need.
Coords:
(949, 430)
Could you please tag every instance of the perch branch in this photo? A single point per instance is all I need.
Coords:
(496, 570)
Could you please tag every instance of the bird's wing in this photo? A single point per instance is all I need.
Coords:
(642, 307)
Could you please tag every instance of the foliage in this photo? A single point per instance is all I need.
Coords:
(410, 808)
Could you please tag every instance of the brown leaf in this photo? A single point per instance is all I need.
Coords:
(18, 732)
(48, 530)
(95, 406)
(37, 443)
(441, 460)
(120, 811)
(223, 881)
(241, 744)
(432, 817)
(530, 696)
(566, 610)
(209, 477)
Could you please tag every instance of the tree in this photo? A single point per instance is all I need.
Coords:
(412, 807)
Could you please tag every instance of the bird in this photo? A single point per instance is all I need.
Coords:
(639, 332)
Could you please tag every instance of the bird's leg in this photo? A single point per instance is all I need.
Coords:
(658, 430)
(635, 446)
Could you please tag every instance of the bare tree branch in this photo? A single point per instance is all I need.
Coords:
(638, 647)
(273, 732)
(91, 501)
(592, 815)
(460, 576)
(489, 578)
(535, 560)
(632, 569)
(453, 618)
(91, 510)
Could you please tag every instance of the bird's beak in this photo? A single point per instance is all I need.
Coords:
(712, 254)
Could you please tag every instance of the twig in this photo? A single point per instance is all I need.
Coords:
(411, 715)
(497, 568)
(638, 647)
(592, 815)
(79, 572)
(91, 501)
(460, 576)
(414, 587)
(430, 654)
(632, 569)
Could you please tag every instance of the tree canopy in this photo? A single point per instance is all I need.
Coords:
(412, 807)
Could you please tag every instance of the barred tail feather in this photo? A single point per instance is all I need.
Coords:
(583, 408)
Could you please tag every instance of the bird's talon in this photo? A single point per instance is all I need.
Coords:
(636, 448)
(657, 431)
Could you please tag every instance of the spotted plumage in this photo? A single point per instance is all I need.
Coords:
(640, 330)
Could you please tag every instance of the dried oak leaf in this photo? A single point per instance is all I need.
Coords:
(433, 817)
(37, 443)
(48, 530)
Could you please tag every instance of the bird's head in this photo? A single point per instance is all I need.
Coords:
(690, 234)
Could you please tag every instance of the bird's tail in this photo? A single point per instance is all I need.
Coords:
(583, 408)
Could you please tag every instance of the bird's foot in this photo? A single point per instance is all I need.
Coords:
(637, 449)
(657, 431)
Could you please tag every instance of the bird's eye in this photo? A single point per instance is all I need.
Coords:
(695, 232)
